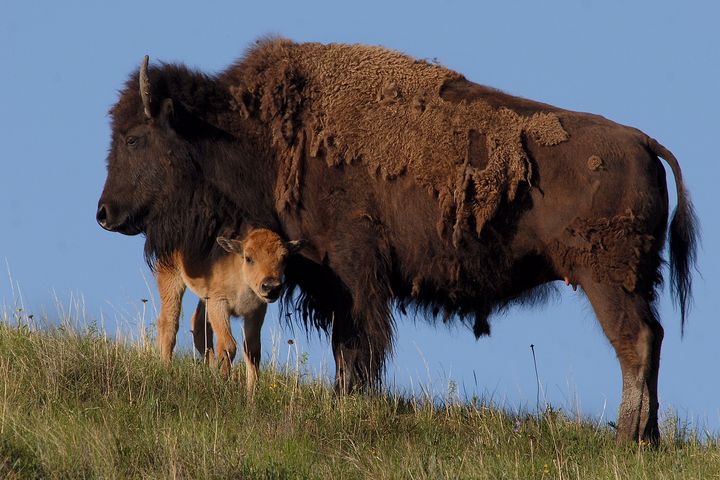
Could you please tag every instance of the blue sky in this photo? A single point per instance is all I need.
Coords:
(652, 65)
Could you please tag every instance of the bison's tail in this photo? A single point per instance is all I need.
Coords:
(683, 236)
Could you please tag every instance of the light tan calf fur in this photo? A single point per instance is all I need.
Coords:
(238, 282)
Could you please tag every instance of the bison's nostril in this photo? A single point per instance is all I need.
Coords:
(101, 215)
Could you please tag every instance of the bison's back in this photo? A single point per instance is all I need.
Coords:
(352, 104)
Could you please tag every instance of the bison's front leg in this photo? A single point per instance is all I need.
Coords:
(630, 324)
(357, 362)
(362, 328)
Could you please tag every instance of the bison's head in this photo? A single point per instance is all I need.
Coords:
(149, 160)
(263, 254)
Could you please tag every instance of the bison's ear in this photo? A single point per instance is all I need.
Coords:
(294, 246)
(230, 245)
(167, 112)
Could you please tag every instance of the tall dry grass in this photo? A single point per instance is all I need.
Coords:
(78, 404)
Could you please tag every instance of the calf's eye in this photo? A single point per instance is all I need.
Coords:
(248, 259)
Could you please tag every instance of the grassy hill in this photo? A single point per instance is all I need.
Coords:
(78, 405)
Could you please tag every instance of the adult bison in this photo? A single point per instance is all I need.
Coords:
(412, 185)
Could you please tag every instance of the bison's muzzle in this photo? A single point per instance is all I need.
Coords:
(110, 220)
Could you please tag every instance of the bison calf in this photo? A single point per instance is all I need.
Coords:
(239, 280)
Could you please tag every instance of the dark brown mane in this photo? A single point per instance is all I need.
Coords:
(191, 225)
(190, 222)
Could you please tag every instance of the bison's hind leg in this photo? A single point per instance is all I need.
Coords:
(630, 323)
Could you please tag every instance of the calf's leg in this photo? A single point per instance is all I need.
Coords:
(171, 288)
(226, 347)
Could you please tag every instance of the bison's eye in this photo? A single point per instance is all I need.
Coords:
(131, 141)
(249, 259)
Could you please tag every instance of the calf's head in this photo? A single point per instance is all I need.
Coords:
(264, 255)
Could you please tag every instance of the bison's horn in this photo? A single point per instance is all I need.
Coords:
(145, 86)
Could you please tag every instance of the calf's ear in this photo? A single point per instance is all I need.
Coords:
(294, 246)
(230, 245)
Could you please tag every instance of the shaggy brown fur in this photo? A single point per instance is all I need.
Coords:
(611, 247)
(324, 98)
(413, 187)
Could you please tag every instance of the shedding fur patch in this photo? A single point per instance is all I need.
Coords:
(613, 249)
(369, 105)
(595, 163)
